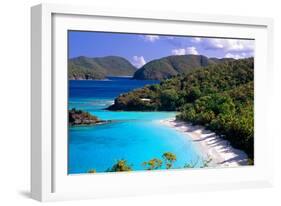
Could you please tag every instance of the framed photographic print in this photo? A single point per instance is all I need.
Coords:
(134, 102)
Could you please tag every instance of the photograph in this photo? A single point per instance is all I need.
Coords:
(143, 102)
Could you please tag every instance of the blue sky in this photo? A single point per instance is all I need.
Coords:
(140, 49)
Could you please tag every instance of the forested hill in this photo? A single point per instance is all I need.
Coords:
(170, 66)
(220, 97)
(98, 68)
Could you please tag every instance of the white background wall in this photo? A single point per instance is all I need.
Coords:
(15, 100)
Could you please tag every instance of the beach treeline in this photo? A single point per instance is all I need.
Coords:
(219, 97)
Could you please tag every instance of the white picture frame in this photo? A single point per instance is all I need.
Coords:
(49, 179)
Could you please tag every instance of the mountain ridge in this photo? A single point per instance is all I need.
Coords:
(83, 67)
(173, 65)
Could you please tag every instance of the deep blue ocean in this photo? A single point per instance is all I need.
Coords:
(133, 136)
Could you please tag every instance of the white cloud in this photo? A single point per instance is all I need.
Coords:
(196, 39)
(183, 51)
(236, 56)
(178, 51)
(231, 45)
(151, 38)
(138, 61)
(191, 50)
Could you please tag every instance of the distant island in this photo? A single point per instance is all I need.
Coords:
(170, 66)
(87, 68)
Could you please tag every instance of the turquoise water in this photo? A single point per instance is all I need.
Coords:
(133, 136)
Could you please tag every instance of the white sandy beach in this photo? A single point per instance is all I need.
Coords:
(211, 146)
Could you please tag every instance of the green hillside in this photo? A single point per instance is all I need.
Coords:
(98, 68)
(219, 96)
(170, 66)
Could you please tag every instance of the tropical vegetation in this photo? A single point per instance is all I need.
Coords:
(168, 158)
(218, 96)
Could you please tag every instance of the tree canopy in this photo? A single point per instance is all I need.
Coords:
(219, 96)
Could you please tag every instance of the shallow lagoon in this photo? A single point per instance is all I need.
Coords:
(134, 136)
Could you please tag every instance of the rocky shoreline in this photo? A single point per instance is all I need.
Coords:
(79, 117)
